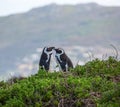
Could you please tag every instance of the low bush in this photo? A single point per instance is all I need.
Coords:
(95, 84)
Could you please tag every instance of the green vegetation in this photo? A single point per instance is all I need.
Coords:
(95, 84)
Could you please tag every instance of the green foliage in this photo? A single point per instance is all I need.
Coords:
(97, 83)
(98, 67)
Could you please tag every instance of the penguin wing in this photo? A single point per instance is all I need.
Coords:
(69, 63)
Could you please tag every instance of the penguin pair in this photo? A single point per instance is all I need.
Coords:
(62, 59)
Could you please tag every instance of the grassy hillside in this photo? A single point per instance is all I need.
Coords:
(95, 84)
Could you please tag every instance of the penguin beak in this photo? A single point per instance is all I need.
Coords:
(53, 47)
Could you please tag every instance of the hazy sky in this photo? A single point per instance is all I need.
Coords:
(15, 6)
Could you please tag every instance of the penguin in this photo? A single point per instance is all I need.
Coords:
(63, 60)
(45, 58)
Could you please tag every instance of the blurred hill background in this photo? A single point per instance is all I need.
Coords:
(79, 29)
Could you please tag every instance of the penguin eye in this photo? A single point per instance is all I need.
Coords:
(58, 51)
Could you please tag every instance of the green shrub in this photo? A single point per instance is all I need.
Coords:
(97, 83)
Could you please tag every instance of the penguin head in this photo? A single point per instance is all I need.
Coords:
(48, 50)
(59, 51)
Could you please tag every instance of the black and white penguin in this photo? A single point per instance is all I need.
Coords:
(63, 60)
(45, 58)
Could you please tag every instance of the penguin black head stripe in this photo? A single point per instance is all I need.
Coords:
(44, 62)
(63, 60)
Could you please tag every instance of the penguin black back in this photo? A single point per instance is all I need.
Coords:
(45, 58)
